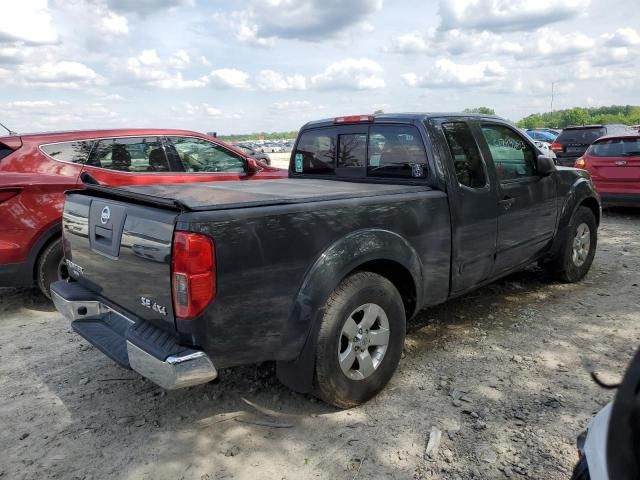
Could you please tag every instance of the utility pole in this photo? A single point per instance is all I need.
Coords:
(552, 92)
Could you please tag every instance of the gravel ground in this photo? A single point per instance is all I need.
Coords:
(501, 376)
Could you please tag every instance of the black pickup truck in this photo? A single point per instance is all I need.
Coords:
(381, 216)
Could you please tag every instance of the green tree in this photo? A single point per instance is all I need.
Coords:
(483, 110)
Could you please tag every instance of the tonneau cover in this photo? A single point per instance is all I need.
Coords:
(242, 193)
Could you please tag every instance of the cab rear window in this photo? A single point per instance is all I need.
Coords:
(393, 151)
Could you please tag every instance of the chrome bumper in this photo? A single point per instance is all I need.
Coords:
(176, 371)
(187, 368)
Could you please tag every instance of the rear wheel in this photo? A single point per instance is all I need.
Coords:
(574, 259)
(360, 340)
(51, 267)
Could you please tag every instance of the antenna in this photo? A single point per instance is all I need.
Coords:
(11, 132)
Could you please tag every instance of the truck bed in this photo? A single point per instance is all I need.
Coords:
(241, 194)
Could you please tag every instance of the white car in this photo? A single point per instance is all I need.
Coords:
(545, 147)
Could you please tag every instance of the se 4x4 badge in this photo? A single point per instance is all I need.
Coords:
(147, 303)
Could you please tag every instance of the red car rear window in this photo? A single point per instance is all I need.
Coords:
(616, 147)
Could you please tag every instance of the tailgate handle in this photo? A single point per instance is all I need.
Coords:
(104, 234)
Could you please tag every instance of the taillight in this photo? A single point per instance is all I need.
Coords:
(580, 163)
(354, 119)
(556, 147)
(7, 193)
(193, 273)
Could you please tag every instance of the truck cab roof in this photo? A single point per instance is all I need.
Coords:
(407, 117)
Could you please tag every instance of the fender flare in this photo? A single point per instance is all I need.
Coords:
(581, 190)
(330, 267)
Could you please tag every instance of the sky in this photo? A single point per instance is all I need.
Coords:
(272, 65)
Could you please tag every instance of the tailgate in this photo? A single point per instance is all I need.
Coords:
(621, 169)
(122, 251)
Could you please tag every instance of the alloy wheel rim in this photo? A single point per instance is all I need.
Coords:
(364, 341)
(581, 245)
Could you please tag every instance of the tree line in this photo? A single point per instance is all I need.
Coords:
(626, 114)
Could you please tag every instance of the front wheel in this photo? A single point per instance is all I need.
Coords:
(360, 340)
(574, 259)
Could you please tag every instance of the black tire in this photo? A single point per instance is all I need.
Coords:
(563, 266)
(332, 385)
(581, 470)
(50, 267)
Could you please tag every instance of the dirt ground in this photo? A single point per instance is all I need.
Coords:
(502, 373)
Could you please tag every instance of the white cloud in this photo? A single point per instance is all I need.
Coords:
(413, 42)
(62, 74)
(27, 21)
(27, 104)
(147, 7)
(180, 59)
(623, 37)
(551, 42)
(454, 42)
(151, 70)
(351, 74)
(292, 105)
(229, 78)
(262, 21)
(503, 16)
(448, 74)
(277, 82)
(115, 24)
(48, 114)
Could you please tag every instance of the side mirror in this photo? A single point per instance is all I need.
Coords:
(545, 165)
(252, 166)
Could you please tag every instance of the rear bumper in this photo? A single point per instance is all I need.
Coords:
(620, 199)
(16, 275)
(568, 161)
(133, 344)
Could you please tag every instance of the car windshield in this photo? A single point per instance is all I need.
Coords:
(616, 147)
(584, 136)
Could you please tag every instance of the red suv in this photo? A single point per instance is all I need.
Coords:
(36, 169)
(614, 165)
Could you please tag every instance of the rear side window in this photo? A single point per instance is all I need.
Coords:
(198, 155)
(512, 156)
(74, 152)
(467, 161)
(135, 154)
(316, 152)
(396, 151)
(581, 136)
(4, 151)
(616, 147)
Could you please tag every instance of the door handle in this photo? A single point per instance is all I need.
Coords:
(507, 202)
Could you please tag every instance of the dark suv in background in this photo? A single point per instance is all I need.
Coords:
(574, 141)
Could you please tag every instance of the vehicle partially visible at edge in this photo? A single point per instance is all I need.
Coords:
(574, 141)
(614, 165)
(263, 157)
(608, 448)
(36, 170)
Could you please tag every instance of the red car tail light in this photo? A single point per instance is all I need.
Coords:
(580, 163)
(193, 274)
(556, 147)
(8, 193)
